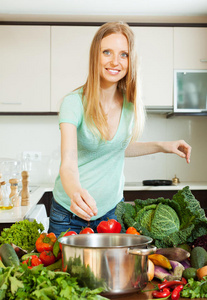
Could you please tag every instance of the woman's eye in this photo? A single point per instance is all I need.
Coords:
(124, 55)
(107, 52)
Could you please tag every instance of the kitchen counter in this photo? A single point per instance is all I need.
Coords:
(141, 295)
(17, 214)
(138, 186)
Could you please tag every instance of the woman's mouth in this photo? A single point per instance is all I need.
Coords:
(113, 71)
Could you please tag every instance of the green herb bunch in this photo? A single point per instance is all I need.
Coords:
(23, 234)
(39, 283)
(195, 289)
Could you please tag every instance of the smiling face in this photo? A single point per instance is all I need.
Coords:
(114, 62)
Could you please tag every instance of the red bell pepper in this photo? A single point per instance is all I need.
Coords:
(45, 242)
(110, 226)
(47, 258)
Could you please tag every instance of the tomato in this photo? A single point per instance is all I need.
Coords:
(67, 234)
(70, 233)
(132, 230)
(47, 258)
(32, 261)
(110, 226)
(87, 230)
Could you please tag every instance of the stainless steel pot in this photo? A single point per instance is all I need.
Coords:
(117, 262)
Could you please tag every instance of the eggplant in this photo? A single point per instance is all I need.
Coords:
(177, 269)
(186, 263)
(176, 254)
(161, 273)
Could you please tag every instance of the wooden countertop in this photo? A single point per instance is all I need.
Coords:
(141, 295)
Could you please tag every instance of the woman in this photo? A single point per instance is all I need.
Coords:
(99, 125)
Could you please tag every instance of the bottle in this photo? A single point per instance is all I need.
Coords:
(5, 202)
(14, 195)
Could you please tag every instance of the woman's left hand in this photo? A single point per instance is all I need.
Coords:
(179, 147)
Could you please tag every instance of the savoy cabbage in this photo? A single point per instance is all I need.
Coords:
(168, 222)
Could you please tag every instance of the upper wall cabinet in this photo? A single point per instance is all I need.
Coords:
(190, 48)
(155, 63)
(70, 46)
(24, 68)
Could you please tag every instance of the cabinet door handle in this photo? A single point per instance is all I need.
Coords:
(11, 103)
(203, 60)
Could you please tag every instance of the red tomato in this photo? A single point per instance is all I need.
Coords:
(47, 258)
(67, 234)
(132, 230)
(110, 226)
(87, 230)
(70, 233)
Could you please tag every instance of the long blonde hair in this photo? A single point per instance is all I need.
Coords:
(94, 114)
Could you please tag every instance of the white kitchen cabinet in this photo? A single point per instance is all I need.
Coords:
(190, 48)
(155, 64)
(24, 68)
(70, 47)
(70, 54)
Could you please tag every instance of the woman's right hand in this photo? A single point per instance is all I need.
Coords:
(83, 205)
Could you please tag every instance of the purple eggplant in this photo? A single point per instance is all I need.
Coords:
(173, 253)
(161, 273)
(177, 269)
(186, 263)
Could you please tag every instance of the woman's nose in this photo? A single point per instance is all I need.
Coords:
(115, 60)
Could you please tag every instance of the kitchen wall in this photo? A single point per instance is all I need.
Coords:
(41, 133)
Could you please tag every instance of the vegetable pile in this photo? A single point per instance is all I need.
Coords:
(168, 222)
(23, 234)
(41, 283)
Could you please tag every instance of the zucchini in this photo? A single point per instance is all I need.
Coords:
(9, 256)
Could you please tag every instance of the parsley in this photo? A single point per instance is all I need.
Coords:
(195, 289)
(39, 283)
(23, 234)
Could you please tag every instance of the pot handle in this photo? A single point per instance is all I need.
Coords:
(149, 250)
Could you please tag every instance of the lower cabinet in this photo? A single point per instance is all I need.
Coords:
(46, 200)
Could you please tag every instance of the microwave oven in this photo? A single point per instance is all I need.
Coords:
(190, 91)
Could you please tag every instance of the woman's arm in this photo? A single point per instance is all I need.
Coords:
(82, 204)
(179, 147)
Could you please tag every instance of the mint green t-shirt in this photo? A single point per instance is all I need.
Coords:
(100, 163)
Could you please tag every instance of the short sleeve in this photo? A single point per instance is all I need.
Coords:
(71, 110)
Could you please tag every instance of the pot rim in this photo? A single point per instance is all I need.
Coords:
(64, 240)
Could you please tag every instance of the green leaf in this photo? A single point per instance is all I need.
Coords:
(15, 284)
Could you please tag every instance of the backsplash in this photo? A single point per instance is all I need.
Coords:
(41, 133)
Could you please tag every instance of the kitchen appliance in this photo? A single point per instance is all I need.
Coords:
(39, 214)
(190, 91)
(157, 182)
(115, 261)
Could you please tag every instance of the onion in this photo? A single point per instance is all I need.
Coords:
(150, 269)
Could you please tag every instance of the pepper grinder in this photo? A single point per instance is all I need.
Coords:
(25, 188)
(14, 192)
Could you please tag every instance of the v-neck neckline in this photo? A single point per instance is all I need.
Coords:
(120, 121)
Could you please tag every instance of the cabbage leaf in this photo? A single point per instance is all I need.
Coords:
(168, 222)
